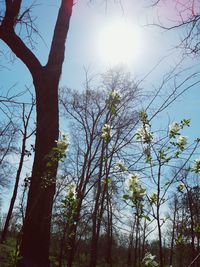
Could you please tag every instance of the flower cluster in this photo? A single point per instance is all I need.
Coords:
(143, 133)
(113, 101)
(69, 203)
(153, 198)
(149, 260)
(72, 191)
(174, 129)
(196, 167)
(58, 152)
(106, 133)
(63, 142)
(181, 142)
(136, 190)
(115, 96)
(120, 166)
(144, 117)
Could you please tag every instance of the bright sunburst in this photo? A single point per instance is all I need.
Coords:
(119, 42)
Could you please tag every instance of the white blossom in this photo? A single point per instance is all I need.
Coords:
(120, 166)
(113, 101)
(133, 180)
(134, 186)
(174, 128)
(149, 260)
(115, 95)
(143, 133)
(72, 191)
(153, 198)
(63, 141)
(196, 167)
(182, 140)
(106, 132)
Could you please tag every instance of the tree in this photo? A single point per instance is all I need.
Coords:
(187, 21)
(25, 135)
(188, 228)
(8, 131)
(34, 249)
(95, 150)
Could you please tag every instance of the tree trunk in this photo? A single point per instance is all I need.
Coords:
(25, 119)
(158, 217)
(190, 203)
(173, 233)
(136, 242)
(36, 230)
(96, 216)
(130, 247)
(95, 234)
(109, 231)
(62, 245)
(34, 249)
(14, 195)
(160, 243)
(144, 239)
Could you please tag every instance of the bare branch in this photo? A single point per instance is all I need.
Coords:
(56, 55)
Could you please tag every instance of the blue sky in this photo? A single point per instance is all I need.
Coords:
(82, 50)
(88, 21)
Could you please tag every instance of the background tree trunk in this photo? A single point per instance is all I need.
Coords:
(25, 135)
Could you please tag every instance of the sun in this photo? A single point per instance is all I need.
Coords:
(120, 42)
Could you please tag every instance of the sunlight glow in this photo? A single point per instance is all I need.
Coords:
(120, 42)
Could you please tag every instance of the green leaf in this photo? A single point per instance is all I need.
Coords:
(109, 180)
(126, 197)
(146, 217)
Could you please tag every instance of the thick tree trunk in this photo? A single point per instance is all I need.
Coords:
(34, 249)
(36, 231)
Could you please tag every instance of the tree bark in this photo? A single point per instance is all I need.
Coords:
(109, 230)
(95, 216)
(34, 249)
(130, 247)
(173, 233)
(36, 230)
(21, 161)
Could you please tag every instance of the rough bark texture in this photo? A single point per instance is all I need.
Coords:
(34, 250)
